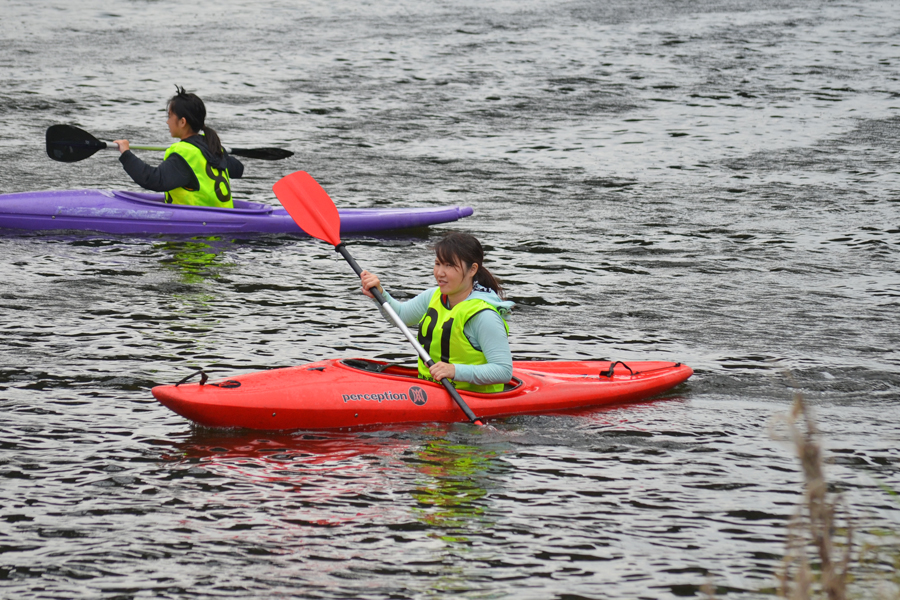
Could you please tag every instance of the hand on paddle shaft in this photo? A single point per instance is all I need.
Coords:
(315, 213)
(438, 370)
(66, 143)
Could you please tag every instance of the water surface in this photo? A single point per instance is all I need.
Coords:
(714, 183)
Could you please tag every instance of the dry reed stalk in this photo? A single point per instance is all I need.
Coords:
(814, 525)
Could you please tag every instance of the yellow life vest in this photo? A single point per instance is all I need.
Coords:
(215, 184)
(441, 334)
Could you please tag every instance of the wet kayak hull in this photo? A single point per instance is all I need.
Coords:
(337, 394)
(120, 212)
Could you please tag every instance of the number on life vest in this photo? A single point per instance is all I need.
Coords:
(426, 338)
(219, 182)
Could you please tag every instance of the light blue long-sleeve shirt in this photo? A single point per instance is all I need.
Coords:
(485, 331)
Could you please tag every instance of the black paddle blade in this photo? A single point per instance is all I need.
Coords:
(70, 144)
(261, 153)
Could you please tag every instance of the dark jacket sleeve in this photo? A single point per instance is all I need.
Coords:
(235, 167)
(172, 173)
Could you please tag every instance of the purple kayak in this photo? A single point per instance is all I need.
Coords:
(111, 211)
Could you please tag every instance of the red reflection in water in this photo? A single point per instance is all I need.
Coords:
(329, 472)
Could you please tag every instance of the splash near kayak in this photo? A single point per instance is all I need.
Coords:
(351, 393)
(122, 212)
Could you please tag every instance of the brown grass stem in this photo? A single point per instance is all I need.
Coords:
(814, 528)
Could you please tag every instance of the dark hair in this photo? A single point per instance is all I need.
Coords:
(456, 247)
(191, 108)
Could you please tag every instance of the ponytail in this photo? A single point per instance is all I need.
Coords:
(456, 247)
(212, 140)
(487, 279)
(191, 108)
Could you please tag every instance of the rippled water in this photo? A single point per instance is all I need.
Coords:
(707, 182)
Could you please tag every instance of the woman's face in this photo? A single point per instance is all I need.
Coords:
(178, 127)
(453, 278)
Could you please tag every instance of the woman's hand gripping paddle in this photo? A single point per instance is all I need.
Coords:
(315, 213)
(66, 143)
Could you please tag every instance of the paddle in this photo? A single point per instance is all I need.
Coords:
(66, 143)
(315, 213)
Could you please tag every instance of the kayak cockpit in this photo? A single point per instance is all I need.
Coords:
(398, 369)
(376, 366)
(240, 206)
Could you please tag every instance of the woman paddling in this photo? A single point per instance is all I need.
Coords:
(195, 170)
(462, 321)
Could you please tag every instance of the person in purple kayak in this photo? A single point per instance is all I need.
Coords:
(196, 169)
(462, 321)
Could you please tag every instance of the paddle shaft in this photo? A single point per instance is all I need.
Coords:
(409, 336)
(66, 143)
(115, 146)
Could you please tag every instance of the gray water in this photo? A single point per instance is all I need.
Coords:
(714, 183)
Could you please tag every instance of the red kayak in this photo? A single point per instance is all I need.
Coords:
(350, 393)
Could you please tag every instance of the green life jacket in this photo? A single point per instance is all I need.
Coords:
(441, 334)
(215, 184)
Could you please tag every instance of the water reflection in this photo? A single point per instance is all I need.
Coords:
(451, 485)
(196, 260)
(765, 231)
(274, 453)
(337, 477)
(447, 479)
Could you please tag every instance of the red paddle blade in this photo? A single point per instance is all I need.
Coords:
(310, 206)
